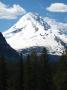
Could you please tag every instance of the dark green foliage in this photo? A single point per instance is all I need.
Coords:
(45, 72)
(60, 78)
(21, 72)
(30, 72)
(38, 72)
(3, 73)
(35, 72)
(33, 60)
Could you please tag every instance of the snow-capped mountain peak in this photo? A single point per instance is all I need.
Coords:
(30, 19)
(32, 30)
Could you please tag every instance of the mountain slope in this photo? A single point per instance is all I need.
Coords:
(32, 30)
(6, 50)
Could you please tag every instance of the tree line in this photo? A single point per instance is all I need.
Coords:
(34, 72)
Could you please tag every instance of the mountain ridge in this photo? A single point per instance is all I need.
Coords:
(6, 50)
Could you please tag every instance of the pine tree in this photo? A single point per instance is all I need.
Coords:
(46, 77)
(21, 72)
(63, 69)
(34, 64)
(3, 73)
(31, 63)
(60, 78)
(27, 73)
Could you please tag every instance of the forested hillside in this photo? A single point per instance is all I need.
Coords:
(33, 73)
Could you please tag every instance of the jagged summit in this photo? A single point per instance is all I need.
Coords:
(32, 30)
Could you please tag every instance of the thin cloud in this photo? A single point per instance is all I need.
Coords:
(57, 25)
(57, 7)
(7, 12)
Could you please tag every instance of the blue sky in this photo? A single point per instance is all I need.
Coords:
(43, 7)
